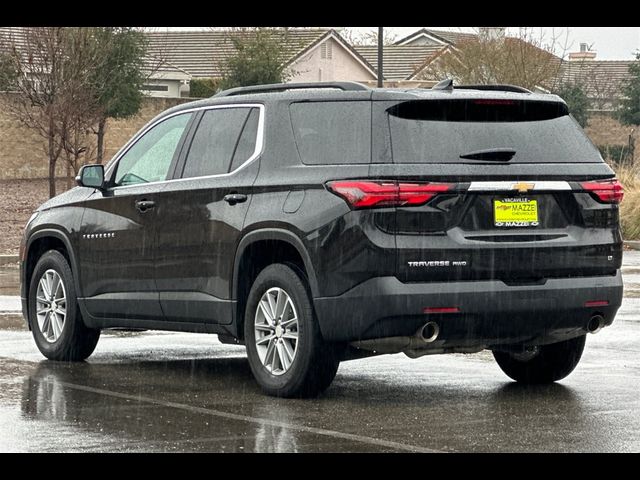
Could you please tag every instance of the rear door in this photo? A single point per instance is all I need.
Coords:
(202, 213)
(503, 192)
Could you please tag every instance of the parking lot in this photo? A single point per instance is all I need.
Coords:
(159, 391)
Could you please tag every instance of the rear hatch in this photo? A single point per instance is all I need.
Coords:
(497, 188)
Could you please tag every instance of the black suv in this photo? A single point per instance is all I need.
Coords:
(316, 223)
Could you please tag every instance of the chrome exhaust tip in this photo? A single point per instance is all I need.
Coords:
(596, 323)
(429, 332)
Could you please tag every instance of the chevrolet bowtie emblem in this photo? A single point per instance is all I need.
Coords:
(523, 187)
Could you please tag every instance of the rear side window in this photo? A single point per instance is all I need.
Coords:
(330, 133)
(441, 131)
(215, 141)
(247, 142)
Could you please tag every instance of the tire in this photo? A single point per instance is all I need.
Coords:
(314, 363)
(67, 338)
(552, 362)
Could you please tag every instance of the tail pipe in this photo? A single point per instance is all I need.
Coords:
(429, 332)
(596, 323)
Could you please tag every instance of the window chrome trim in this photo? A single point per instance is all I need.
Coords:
(256, 152)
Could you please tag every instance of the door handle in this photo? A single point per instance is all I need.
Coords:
(234, 198)
(145, 205)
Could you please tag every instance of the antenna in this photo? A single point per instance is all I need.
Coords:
(444, 85)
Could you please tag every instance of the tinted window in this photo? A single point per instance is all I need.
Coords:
(442, 131)
(332, 132)
(149, 159)
(215, 141)
(247, 142)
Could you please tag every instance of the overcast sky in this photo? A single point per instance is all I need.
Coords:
(611, 43)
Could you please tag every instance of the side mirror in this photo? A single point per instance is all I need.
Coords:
(91, 176)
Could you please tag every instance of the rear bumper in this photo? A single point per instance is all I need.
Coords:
(490, 311)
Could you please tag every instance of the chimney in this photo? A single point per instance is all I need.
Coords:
(491, 33)
(583, 54)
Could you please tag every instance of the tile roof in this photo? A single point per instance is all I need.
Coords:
(589, 72)
(400, 61)
(602, 80)
(446, 36)
(452, 37)
(202, 53)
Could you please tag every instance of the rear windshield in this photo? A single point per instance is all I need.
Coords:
(456, 130)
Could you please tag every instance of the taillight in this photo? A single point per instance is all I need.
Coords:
(607, 191)
(368, 194)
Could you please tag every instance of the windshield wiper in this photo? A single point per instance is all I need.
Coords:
(492, 154)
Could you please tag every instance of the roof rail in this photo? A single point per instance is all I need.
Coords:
(496, 87)
(281, 87)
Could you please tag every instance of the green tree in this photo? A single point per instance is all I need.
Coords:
(259, 58)
(203, 87)
(7, 72)
(629, 110)
(117, 80)
(577, 100)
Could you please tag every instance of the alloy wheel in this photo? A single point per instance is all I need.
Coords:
(276, 331)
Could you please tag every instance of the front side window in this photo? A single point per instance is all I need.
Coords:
(219, 139)
(149, 159)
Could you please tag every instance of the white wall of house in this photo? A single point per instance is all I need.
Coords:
(162, 88)
(329, 62)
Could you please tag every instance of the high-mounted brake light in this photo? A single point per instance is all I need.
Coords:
(441, 310)
(607, 191)
(368, 194)
(491, 101)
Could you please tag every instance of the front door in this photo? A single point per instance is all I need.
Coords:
(118, 230)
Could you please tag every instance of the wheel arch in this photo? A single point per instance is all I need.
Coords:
(273, 234)
(42, 241)
(281, 246)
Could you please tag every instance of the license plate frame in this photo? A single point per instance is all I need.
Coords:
(517, 212)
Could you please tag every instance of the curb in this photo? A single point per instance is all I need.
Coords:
(632, 244)
(4, 259)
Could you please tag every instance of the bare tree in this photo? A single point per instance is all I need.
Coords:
(370, 37)
(50, 84)
(527, 59)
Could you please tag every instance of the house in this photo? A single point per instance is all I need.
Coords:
(435, 37)
(402, 63)
(311, 55)
(163, 78)
(602, 80)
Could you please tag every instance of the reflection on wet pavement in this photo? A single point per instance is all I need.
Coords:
(202, 398)
(158, 391)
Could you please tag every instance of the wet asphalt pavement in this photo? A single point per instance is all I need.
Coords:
(158, 391)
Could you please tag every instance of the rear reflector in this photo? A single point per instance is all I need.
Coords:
(606, 191)
(596, 303)
(368, 194)
(441, 310)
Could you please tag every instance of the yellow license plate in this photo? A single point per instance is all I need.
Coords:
(515, 212)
